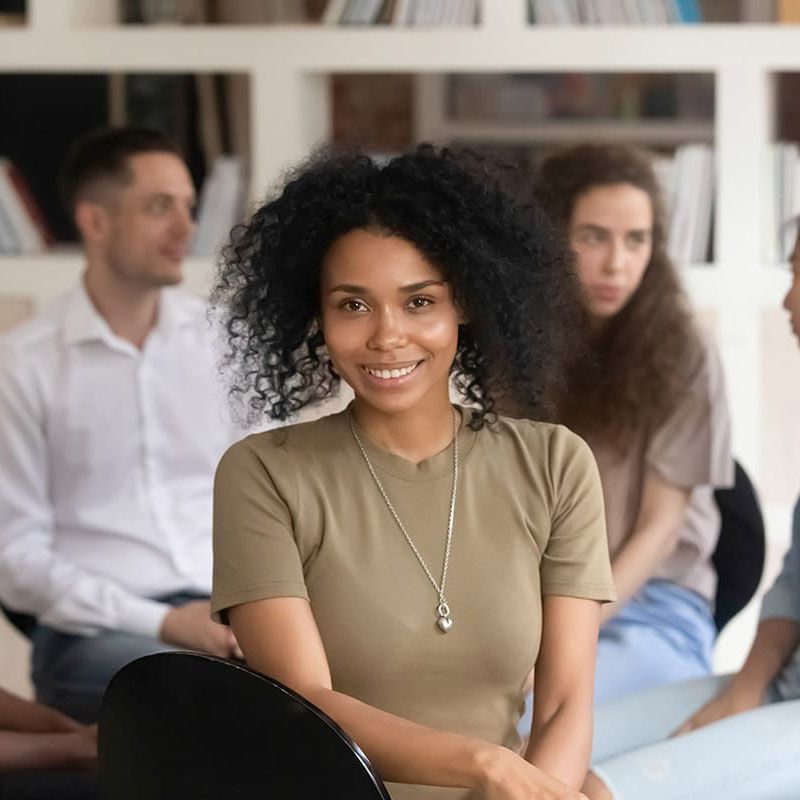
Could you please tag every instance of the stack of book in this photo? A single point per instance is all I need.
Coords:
(687, 184)
(614, 12)
(23, 228)
(401, 12)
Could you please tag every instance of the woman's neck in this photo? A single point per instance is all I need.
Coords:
(415, 434)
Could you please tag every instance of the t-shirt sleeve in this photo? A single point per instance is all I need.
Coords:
(693, 446)
(783, 599)
(576, 561)
(255, 550)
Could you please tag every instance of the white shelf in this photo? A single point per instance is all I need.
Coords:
(328, 49)
(645, 132)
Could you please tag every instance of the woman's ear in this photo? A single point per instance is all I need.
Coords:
(318, 324)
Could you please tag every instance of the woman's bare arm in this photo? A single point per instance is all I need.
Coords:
(561, 734)
(280, 638)
(654, 537)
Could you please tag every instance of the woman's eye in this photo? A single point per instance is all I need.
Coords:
(590, 237)
(420, 302)
(637, 240)
(353, 305)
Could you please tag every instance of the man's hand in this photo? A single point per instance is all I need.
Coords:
(191, 626)
(82, 747)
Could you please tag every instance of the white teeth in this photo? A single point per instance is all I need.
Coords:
(390, 373)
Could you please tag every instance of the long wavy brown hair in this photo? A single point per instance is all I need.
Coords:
(629, 377)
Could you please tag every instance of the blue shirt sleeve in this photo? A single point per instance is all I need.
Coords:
(783, 599)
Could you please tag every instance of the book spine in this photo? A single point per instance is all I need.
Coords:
(688, 12)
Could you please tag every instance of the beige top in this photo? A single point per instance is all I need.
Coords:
(692, 449)
(296, 513)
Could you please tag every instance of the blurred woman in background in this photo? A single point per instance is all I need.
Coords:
(648, 396)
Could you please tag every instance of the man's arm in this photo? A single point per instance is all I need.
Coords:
(74, 750)
(776, 640)
(25, 716)
(33, 736)
(33, 577)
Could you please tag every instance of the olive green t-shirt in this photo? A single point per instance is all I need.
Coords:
(296, 513)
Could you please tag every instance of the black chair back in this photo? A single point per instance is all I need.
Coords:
(175, 725)
(739, 555)
(24, 623)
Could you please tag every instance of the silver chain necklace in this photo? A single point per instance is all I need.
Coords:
(444, 621)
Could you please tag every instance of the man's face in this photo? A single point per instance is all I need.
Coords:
(149, 221)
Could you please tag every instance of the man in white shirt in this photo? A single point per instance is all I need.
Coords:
(111, 425)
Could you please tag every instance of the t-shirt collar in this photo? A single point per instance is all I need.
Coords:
(437, 466)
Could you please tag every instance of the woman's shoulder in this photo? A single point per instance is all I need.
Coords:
(701, 358)
(553, 442)
(296, 442)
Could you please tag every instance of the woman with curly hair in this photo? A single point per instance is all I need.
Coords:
(404, 563)
(648, 396)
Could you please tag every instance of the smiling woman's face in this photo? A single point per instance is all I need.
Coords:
(611, 230)
(389, 321)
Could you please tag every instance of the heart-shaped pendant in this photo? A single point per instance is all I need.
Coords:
(444, 623)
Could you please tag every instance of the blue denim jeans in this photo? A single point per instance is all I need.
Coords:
(665, 633)
(750, 756)
(71, 672)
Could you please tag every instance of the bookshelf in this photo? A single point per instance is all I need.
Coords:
(290, 111)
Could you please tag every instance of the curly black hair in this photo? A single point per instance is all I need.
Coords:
(507, 267)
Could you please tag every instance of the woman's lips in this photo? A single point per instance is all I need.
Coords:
(608, 294)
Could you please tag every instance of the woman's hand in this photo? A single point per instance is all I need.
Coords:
(733, 699)
(508, 776)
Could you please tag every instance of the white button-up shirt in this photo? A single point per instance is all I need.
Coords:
(107, 457)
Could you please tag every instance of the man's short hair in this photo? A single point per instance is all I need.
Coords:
(103, 155)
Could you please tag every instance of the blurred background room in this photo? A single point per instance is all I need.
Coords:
(248, 87)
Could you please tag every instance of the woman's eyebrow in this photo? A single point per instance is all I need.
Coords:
(416, 287)
(351, 288)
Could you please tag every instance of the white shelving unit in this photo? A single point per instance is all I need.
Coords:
(290, 113)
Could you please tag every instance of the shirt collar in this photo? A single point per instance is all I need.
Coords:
(83, 322)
